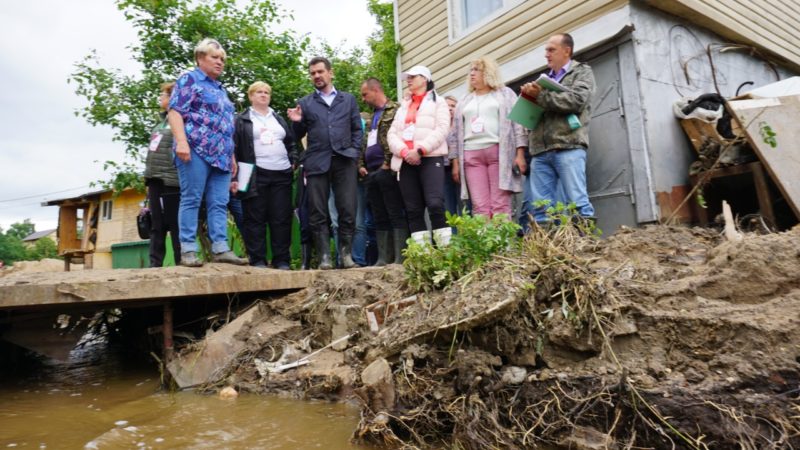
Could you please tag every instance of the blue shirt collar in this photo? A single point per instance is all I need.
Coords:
(333, 92)
(558, 76)
(202, 76)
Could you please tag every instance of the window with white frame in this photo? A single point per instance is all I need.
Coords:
(105, 209)
(468, 15)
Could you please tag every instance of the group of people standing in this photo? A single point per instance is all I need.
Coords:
(413, 157)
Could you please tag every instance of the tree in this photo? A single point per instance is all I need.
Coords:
(21, 230)
(43, 248)
(11, 248)
(168, 30)
(383, 61)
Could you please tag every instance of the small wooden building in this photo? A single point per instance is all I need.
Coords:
(89, 224)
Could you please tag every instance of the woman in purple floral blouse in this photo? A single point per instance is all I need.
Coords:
(201, 118)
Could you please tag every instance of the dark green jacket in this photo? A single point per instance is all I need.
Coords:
(160, 164)
(553, 130)
(384, 124)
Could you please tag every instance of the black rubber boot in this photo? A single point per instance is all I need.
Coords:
(400, 237)
(385, 249)
(346, 251)
(322, 241)
(306, 257)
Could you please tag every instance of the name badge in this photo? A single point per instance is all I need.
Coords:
(408, 132)
(266, 137)
(155, 139)
(372, 138)
(477, 125)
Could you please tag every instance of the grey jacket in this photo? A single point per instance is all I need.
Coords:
(160, 164)
(553, 131)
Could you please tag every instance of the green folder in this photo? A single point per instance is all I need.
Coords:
(525, 111)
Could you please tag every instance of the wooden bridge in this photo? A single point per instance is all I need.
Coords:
(31, 302)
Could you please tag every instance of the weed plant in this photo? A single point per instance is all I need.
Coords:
(476, 240)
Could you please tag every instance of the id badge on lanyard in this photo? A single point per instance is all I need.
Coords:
(408, 132)
(372, 138)
(477, 125)
(155, 139)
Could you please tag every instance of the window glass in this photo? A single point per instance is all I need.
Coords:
(476, 10)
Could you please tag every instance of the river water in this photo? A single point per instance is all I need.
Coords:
(100, 400)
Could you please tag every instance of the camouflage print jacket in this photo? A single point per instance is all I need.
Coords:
(384, 124)
(553, 130)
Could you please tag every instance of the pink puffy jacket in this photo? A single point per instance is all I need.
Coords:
(431, 128)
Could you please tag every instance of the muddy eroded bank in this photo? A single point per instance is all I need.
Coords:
(656, 337)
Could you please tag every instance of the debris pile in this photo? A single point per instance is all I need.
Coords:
(662, 337)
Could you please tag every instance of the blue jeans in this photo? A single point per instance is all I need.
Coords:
(199, 181)
(363, 223)
(565, 169)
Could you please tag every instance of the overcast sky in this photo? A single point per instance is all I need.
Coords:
(48, 153)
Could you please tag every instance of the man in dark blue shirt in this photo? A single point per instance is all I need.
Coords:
(332, 124)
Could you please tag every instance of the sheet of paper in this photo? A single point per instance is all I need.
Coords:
(243, 177)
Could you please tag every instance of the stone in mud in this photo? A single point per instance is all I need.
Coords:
(378, 391)
(586, 438)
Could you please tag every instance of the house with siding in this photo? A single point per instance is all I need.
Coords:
(646, 54)
(90, 224)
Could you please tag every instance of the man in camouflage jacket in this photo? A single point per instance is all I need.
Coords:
(559, 142)
(383, 190)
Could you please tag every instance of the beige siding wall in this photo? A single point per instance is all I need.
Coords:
(122, 226)
(425, 40)
(770, 24)
(423, 29)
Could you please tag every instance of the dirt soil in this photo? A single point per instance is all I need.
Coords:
(661, 337)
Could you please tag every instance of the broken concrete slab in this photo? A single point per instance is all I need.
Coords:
(219, 349)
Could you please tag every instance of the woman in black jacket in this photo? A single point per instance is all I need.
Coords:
(263, 139)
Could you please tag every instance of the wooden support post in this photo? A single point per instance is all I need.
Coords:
(762, 192)
(167, 331)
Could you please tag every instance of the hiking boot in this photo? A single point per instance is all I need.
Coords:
(190, 259)
(229, 258)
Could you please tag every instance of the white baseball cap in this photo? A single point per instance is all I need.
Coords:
(418, 70)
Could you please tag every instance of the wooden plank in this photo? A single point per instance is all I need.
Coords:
(782, 161)
(67, 228)
(129, 286)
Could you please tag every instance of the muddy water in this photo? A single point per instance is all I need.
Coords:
(97, 400)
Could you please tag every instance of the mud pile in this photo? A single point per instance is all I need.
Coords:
(662, 337)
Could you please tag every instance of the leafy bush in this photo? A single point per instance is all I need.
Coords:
(477, 240)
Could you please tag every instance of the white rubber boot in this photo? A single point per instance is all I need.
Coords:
(421, 237)
(442, 236)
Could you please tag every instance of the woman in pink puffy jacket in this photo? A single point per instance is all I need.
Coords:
(417, 141)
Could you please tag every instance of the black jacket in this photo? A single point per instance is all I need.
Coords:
(330, 129)
(245, 151)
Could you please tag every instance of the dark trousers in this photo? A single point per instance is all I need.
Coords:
(423, 186)
(163, 202)
(385, 200)
(271, 206)
(452, 193)
(342, 177)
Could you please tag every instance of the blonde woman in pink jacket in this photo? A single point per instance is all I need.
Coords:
(417, 141)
